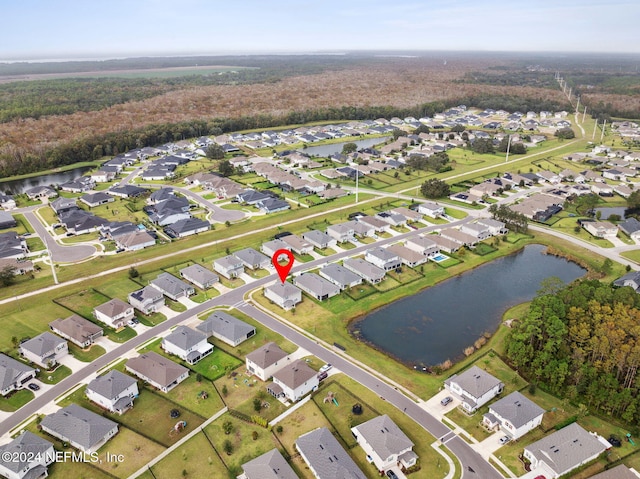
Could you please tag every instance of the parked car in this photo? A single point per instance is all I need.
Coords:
(540, 477)
(504, 439)
(391, 475)
(446, 400)
(325, 368)
(33, 386)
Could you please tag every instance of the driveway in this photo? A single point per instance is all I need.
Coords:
(59, 253)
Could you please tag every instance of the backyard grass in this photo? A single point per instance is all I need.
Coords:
(15, 400)
(86, 355)
(271, 407)
(55, 376)
(196, 458)
(188, 395)
(69, 469)
(83, 302)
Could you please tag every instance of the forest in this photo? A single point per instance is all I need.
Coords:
(582, 341)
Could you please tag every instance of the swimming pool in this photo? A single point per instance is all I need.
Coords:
(439, 258)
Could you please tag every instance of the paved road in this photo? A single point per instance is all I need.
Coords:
(59, 253)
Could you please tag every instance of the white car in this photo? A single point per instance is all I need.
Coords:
(325, 368)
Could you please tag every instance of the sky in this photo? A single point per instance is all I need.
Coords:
(64, 29)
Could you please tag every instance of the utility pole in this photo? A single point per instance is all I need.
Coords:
(506, 158)
(594, 130)
(584, 113)
(357, 176)
(604, 126)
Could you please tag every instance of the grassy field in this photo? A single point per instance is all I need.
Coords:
(86, 355)
(137, 451)
(15, 400)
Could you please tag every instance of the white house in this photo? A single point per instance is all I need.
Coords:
(382, 258)
(115, 313)
(601, 229)
(432, 210)
(284, 294)
(113, 391)
(229, 266)
(14, 374)
(83, 429)
(293, 381)
(266, 360)
(45, 349)
(160, 372)
(32, 456)
(384, 443)
(474, 387)
(514, 415)
(189, 345)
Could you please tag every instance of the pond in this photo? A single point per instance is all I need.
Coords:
(15, 187)
(611, 210)
(438, 323)
(324, 151)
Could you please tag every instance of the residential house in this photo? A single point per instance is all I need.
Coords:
(425, 245)
(293, 381)
(7, 221)
(113, 391)
(44, 350)
(62, 204)
(80, 222)
(340, 276)
(433, 210)
(187, 227)
(602, 189)
(495, 227)
(342, 232)
(564, 450)
(135, 241)
(38, 192)
(14, 374)
(146, 300)
(364, 269)
(29, 456)
(384, 443)
(269, 248)
(83, 429)
(619, 472)
(515, 415)
(272, 205)
(160, 372)
(79, 185)
(480, 231)
(382, 258)
(315, 286)
(7, 202)
(126, 191)
(172, 287)
(486, 188)
(407, 256)
(601, 229)
(631, 227)
(105, 175)
(631, 279)
(393, 219)
(252, 259)
(459, 237)
(78, 330)
(319, 239)
(409, 214)
(297, 244)
(200, 276)
(18, 266)
(96, 199)
(325, 457)
(12, 246)
(114, 313)
(331, 193)
(226, 328)
(189, 345)
(266, 360)
(376, 223)
(363, 230)
(623, 190)
(474, 387)
(285, 295)
(229, 266)
(270, 465)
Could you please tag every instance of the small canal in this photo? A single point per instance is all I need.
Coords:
(438, 323)
(324, 151)
(15, 187)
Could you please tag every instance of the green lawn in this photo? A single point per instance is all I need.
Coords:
(83, 302)
(54, 377)
(86, 355)
(196, 458)
(188, 394)
(15, 400)
(35, 244)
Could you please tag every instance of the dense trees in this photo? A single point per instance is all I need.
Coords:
(435, 188)
(225, 168)
(482, 145)
(516, 148)
(7, 276)
(516, 222)
(565, 133)
(436, 162)
(349, 148)
(583, 341)
(215, 152)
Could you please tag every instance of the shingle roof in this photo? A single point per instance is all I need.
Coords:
(79, 425)
(328, 460)
(384, 436)
(159, 369)
(340, 274)
(517, 409)
(185, 338)
(618, 472)
(110, 385)
(199, 274)
(42, 343)
(27, 445)
(113, 307)
(295, 374)
(266, 355)
(225, 325)
(168, 283)
(252, 257)
(475, 381)
(10, 370)
(316, 284)
(76, 327)
(270, 465)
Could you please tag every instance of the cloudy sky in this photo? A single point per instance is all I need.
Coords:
(39, 29)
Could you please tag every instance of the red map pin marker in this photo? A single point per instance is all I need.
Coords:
(283, 270)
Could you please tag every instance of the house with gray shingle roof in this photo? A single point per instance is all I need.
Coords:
(160, 372)
(382, 258)
(76, 329)
(340, 276)
(319, 239)
(630, 227)
(514, 414)
(408, 256)
(564, 450)
(341, 232)
(188, 344)
(423, 245)
(146, 300)
(45, 349)
(326, 458)
(284, 295)
(266, 360)
(13, 374)
(172, 287)
(270, 247)
(316, 286)
(229, 266)
(115, 313)
(200, 276)
(384, 442)
(96, 199)
(113, 391)
(474, 387)
(618, 472)
(226, 328)
(367, 271)
(252, 259)
(296, 244)
(83, 429)
(32, 453)
(293, 381)
(270, 465)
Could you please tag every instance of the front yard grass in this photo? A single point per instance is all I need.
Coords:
(196, 458)
(15, 400)
(86, 355)
(471, 424)
(55, 376)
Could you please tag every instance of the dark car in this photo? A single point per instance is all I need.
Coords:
(615, 441)
(391, 475)
(446, 400)
(33, 386)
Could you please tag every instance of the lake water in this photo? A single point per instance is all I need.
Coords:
(440, 322)
(15, 187)
(325, 150)
(611, 210)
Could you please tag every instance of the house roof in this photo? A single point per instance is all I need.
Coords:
(113, 307)
(146, 293)
(296, 242)
(135, 238)
(185, 338)
(284, 290)
(364, 268)
(475, 381)
(159, 369)
(128, 190)
(316, 284)
(384, 436)
(76, 327)
(382, 253)
(79, 425)
(270, 465)
(266, 355)
(25, 449)
(10, 370)
(517, 409)
(188, 224)
(98, 197)
(630, 225)
(295, 374)
(199, 274)
(567, 448)
(112, 384)
(168, 283)
(272, 204)
(317, 236)
(618, 472)
(225, 325)
(42, 343)
(251, 256)
(321, 450)
(230, 261)
(340, 274)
